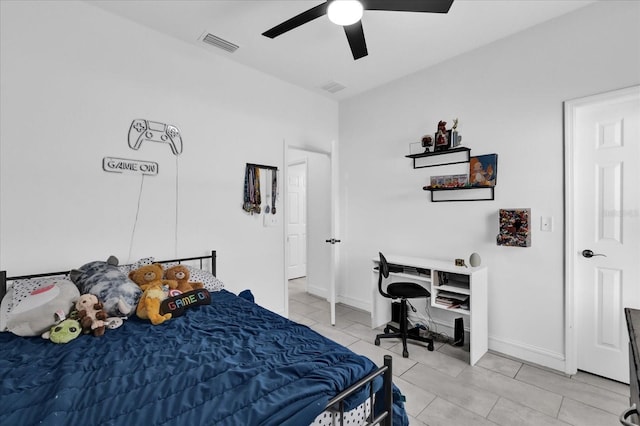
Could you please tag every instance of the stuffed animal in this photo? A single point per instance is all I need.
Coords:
(64, 332)
(103, 279)
(180, 274)
(91, 315)
(149, 278)
(37, 305)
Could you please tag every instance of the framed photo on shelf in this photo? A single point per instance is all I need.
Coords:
(483, 170)
(442, 140)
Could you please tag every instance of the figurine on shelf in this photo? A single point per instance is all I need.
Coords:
(427, 142)
(455, 137)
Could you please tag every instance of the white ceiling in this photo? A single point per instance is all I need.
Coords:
(317, 53)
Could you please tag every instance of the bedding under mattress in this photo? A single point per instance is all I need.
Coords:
(228, 363)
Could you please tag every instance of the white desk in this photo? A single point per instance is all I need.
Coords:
(470, 281)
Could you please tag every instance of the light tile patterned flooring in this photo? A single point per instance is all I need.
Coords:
(442, 389)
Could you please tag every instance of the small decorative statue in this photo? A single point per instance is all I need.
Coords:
(427, 142)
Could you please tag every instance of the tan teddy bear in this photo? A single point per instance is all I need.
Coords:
(149, 278)
(91, 315)
(180, 274)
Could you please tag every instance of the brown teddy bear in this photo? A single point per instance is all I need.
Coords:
(149, 278)
(180, 274)
(91, 315)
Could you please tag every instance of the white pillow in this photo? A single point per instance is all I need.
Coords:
(210, 282)
(39, 304)
(136, 265)
(197, 275)
(5, 307)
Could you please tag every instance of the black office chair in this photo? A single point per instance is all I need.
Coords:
(402, 291)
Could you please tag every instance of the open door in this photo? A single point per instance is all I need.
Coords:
(321, 223)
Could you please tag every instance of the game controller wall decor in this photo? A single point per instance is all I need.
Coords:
(147, 130)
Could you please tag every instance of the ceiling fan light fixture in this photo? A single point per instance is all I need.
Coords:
(345, 12)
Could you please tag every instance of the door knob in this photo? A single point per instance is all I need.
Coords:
(589, 254)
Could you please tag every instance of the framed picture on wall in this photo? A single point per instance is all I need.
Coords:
(515, 227)
(483, 170)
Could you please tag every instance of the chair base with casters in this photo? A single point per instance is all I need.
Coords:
(403, 332)
(402, 291)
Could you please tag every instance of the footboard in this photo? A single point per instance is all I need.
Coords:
(385, 418)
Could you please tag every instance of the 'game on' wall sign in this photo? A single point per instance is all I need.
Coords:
(122, 165)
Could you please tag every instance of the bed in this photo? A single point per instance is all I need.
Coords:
(230, 362)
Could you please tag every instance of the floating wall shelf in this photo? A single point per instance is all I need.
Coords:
(471, 193)
(441, 158)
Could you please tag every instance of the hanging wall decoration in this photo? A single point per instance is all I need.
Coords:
(252, 197)
(515, 228)
(123, 165)
(152, 131)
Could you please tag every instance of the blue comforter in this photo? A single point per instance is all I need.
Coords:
(228, 363)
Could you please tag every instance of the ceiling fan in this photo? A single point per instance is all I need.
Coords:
(348, 13)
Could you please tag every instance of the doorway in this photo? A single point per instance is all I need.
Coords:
(297, 219)
(602, 159)
(319, 212)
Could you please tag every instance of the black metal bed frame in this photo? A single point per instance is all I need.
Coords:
(385, 418)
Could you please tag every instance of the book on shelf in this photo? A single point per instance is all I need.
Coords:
(452, 300)
(453, 296)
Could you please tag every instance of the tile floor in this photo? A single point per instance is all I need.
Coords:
(442, 389)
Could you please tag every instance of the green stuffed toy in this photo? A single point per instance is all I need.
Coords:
(64, 332)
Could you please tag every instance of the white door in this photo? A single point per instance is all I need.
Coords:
(604, 252)
(321, 218)
(297, 220)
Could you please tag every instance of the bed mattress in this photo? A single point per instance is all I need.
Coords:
(228, 363)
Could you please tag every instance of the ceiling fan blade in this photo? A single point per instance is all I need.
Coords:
(432, 6)
(296, 21)
(355, 36)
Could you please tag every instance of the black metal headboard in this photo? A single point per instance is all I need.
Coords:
(4, 278)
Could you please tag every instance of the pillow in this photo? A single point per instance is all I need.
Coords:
(197, 275)
(118, 294)
(210, 282)
(125, 269)
(39, 304)
(24, 287)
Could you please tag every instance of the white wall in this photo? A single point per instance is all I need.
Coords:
(508, 97)
(72, 78)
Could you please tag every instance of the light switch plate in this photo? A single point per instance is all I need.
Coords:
(270, 220)
(546, 223)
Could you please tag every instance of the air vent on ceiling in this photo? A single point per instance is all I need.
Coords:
(218, 42)
(333, 87)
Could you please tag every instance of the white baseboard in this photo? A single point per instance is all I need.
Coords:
(355, 303)
(516, 349)
(529, 353)
(318, 291)
(349, 301)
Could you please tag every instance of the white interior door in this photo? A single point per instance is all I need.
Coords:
(604, 251)
(297, 219)
(321, 220)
